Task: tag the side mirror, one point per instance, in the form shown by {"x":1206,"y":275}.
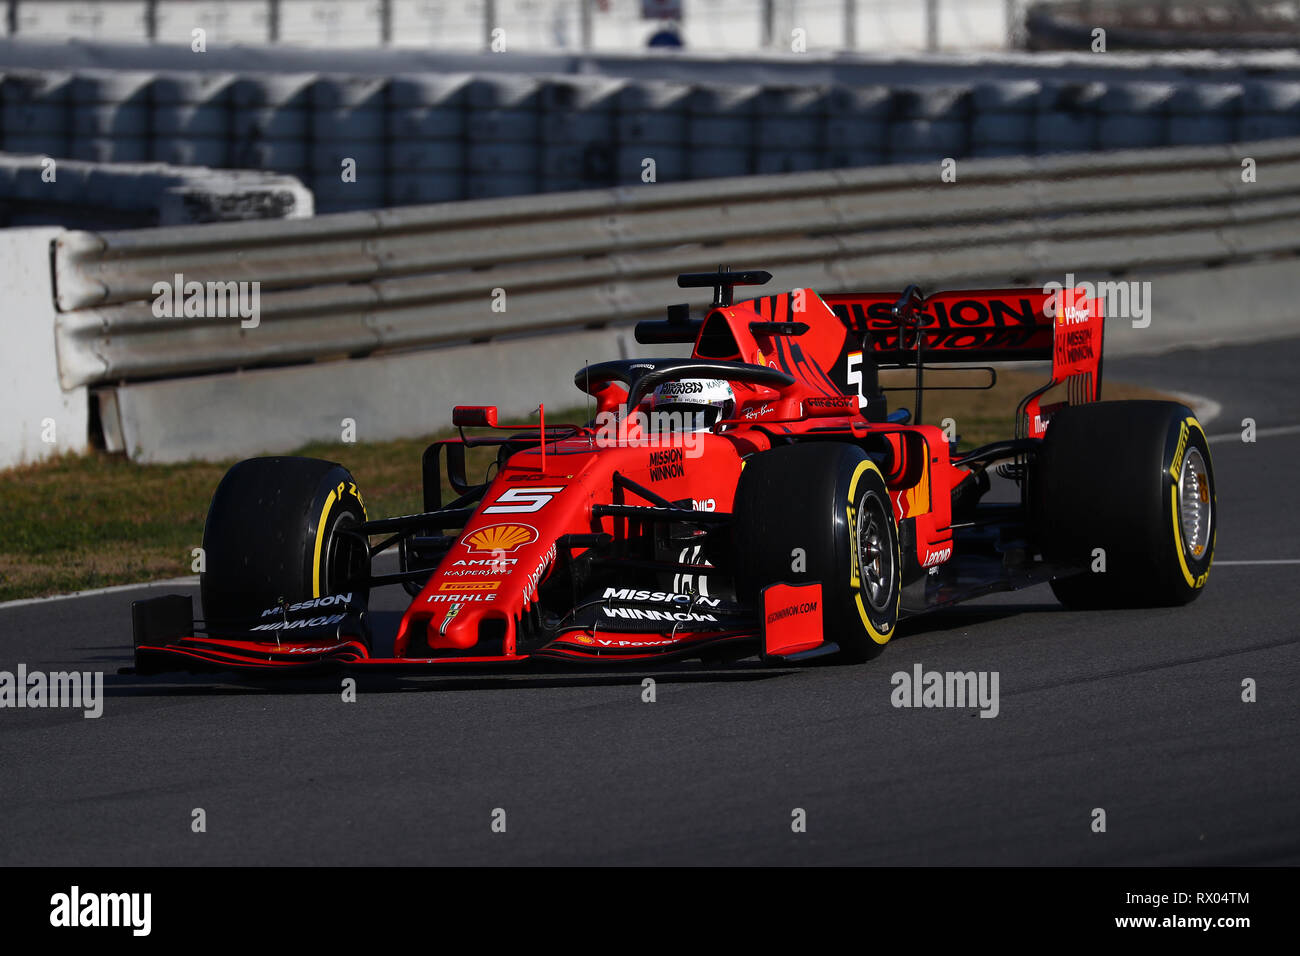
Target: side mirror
{"x":474,"y":416}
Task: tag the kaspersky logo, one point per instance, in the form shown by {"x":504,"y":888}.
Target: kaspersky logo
{"x":500,"y":537}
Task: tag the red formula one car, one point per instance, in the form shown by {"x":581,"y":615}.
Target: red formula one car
{"x":757,"y":498}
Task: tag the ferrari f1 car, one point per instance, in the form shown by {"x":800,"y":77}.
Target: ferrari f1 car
{"x":756,"y":498}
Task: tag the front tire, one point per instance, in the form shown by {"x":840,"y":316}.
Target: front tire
{"x":1133,"y":479}
{"x":821,"y":512}
{"x":276,"y":531}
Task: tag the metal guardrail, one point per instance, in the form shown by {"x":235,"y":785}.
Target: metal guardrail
{"x":358,"y":284}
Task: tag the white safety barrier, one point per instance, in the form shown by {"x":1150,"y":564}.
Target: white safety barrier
{"x":41,"y":419}
{"x":468,"y":302}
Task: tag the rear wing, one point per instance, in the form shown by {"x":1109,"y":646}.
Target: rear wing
{"x":986,"y":325}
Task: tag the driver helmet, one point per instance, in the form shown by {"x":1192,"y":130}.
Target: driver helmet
{"x":702,"y":402}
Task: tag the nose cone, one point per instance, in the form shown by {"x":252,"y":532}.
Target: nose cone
{"x":471,"y":603}
{"x":458,"y":627}
{"x":491,"y":574}
{"x":468,"y":626}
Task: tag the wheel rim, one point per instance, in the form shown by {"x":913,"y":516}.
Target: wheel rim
{"x":1195,"y":504}
{"x":875,"y":557}
{"x":346,"y":556}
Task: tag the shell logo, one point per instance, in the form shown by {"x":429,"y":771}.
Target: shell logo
{"x":500,"y":537}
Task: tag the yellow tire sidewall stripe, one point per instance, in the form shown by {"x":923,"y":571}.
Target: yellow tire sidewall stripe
{"x":320,"y":538}
{"x":1192,"y":580}
{"x":880,"y":637}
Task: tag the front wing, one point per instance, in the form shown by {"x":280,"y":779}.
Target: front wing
{"x":167,"y":638}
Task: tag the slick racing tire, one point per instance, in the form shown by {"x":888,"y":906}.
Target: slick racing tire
{"x":274,"y":532}
{"x":1133,"y":479}
{"x":819,"y":512}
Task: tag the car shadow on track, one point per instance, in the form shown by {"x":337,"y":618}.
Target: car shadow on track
{"x":962,"y":616}
{"x":197,"y":685}
{"x":124,"y":682}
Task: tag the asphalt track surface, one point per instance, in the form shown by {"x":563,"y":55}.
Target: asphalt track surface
{"x":1136,"y":713}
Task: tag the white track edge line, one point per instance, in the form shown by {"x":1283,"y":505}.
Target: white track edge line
{"x":190,"y":581}
{"x":1272,"y":432}
{"x":1206,"y":409}
{"x":95,"y":592}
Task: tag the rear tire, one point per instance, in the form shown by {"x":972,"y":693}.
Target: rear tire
{"x":1134,"y":479}
{"x":273,"y":532}
{"x":829,"y":501}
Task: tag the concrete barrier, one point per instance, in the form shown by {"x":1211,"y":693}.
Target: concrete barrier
{"x":41,"y":419}
{"x":241,"y":414}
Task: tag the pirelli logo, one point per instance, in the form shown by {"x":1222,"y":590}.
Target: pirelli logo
{"x":463,"y":586}
{"x":1177,"y":465}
